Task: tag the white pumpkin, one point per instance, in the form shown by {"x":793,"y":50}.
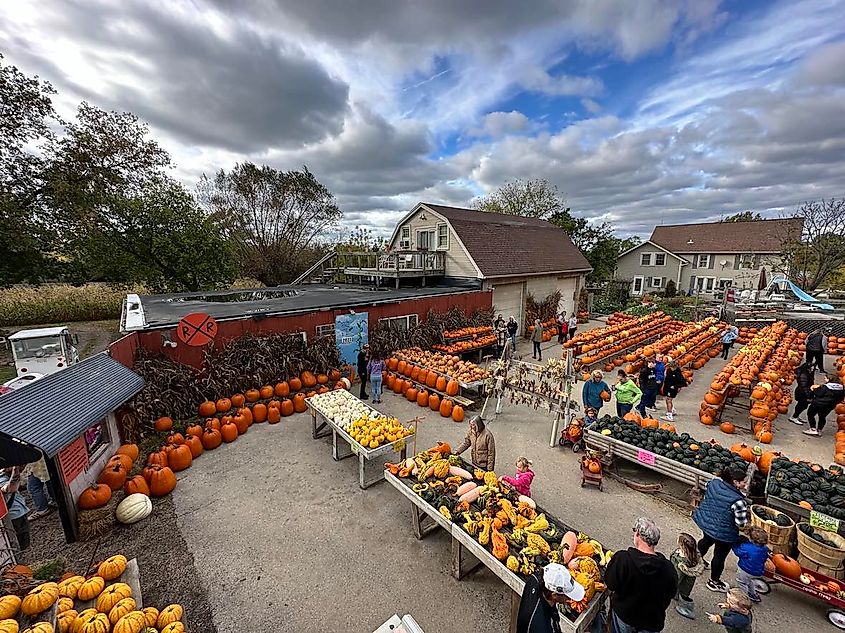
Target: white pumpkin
{"x":134,"y":508}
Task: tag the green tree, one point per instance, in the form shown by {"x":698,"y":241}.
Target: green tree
{"x":361,"y":239}
{"x":26,"y":114}
{"x":121,"y":216}
{"x":743,"y":216}
{"x":537,"y":198}
{"x":814,"y":257}
{"x":278,"y":220}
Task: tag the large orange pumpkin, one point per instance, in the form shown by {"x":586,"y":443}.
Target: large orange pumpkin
{"x":211,"y":439}
{"x":446,"y":408}
{"x":299,"y":405}
{"x":274,"y":415}
{"x":308,"y":379}
{"x":259,"y":412}
{"x":238,"y":400}
{"x":431,"y":380}
{"x":786,"y":566}
{"x":282,"y":389}
{"x":441,"y":384}
{"x":458,"y":413}
{"x":452,"y":387}
{"x":434,"y":402}
{"x":160,"y":479}
{"x":163,"y":424}
{"x":295,"y":384}
{"x":287,"y":407}
{"x":411,"y":394}
{"x":223,"y":405}
{"x":266,"y":392}
{"x":194,"y":444}
{"x":229,"y":431}
{"x":422,"y":398}
{"x":207,"y":409}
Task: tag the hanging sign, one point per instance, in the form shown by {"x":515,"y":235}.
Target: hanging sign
{"x":197,"y":329}
{"x":823,"y":521}
{"x":73,"y":460}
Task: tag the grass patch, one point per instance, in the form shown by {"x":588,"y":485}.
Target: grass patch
{"x":60,"y":303}
{"x":7,"y":373}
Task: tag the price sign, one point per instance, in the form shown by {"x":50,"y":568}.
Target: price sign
{"x":355,"y":447}
{"x":399,"y":445}
{"x":823,"y":521}
{"x":645,"y":457}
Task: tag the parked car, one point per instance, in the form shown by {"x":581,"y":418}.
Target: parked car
{"x":19,"y":381}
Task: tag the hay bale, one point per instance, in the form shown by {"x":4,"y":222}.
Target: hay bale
{"x":96,"y":523}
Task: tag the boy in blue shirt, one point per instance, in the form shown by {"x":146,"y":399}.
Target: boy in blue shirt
{"x":752,"y":555}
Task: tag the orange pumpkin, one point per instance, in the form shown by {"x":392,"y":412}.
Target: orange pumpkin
{"x":727,"y":427}
{"x":441,"y":384}
{"x":259,"y":412}
{"x":458,"y":413}
{"x":411,"y":394}
{"x":274,"y":415}
{"x":238,"y":400}
{"x":452,"y":387}
{"x":207,"y":409}
{"x":287,"y":407}
{"x":180,"y":458}
{"x":252,"y":395}
{"x":163,"y":424}
{"x":434,"y":402}
{"x":446,"y":408}
{"x":282,"y":389}
{"x":136,"y":484}
{"x":229,"y":432}
{"x":295,"y":384}
{"x":266,"y":392}
{"x":223,"y":405}
{"x":299,"y":405}
{"x":308,"y":379}
{"x":422,"y":398}
{"x":194,"y":445}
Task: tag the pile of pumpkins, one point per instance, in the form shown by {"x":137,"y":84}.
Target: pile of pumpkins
{"x":418,"y":391}
{"x":836,"y":345}
{"x":116,"y":478}
{"x":606,"y":343}
{"x":426,"y":363}
{"x":767,"y":362}
{"x":114,"y":608}
{"x":550,"y":329}
{"x":694,"y":343}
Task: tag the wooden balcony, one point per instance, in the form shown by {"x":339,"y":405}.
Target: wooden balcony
{"x":394,"y":265}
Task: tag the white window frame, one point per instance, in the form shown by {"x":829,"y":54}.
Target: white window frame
{"x":663,"y":255}
{"x":746,"y":261}
{"x":445,"y":245}
{"x":643,"y":261}
{"x":408,"y":321}
{"x":659,"y":283}
{"x":325,"y":330}
{"x":405,"y":238}
{"x":705,"y":284}
{"x":634,"y":290}
{"x":706,"y":264}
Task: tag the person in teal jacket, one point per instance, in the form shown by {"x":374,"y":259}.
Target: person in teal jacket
{"x":627,"y":394}
{"x":592,"y":390}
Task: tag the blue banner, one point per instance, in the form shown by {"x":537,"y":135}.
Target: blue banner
{"x":351,"y":334}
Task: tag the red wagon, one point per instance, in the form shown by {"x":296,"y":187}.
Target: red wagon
{"x":816,"y":584}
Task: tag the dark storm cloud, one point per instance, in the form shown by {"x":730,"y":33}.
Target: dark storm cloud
{"x":234,"y":90}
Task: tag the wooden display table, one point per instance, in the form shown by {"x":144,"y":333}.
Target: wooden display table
{"x":343,"y":446}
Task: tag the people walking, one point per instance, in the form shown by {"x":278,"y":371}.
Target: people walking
{"x":375,"y":367}
{"x":524,"y":476}
{"x":816,"y":344}
{"x":573,"y":325}
{"x":628,"y":395}
{"x":40,"y":489}
{"x":648,"y":385}
{"x":543,"y":592}
{"x":512,"y":327}
{"x":805,"y":378}
{"x":563,"y":327}
{"x":722,"y":513}
{"x":591,"y":392}
{"x":641,"y":583}
{"x":500,"y":320}
{"x":480,"y":440}
{"x":673,"y":382}
{"x":363,"y":358}
{"x":502,"y":340}
{"x":536,"y":339}
{"x":689,"y":565}
{"x":825,"y":399}
{"x":659,"y":371}
{"x":728,"y":338}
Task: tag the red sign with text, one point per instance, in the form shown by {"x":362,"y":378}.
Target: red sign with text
{"x":73,"y":460}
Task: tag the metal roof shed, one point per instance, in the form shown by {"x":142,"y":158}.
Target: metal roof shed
{"x":68,"y":418}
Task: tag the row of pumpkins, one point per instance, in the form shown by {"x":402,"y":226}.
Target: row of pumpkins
{"x":414,"y":392}
{"x":115,"y":609}
{"x":768,"y":361}
{"x":607,"y":342}
{"x":839,"y":447}
{"x":437,"y":364}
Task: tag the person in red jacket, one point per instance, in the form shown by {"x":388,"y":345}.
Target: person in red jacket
{"x":524,"y":476}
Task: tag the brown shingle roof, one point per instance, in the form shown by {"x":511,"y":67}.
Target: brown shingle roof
{"x":757,"y":236}
{"x":513,"y":245}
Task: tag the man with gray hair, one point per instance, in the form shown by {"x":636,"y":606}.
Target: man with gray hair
{"x":642,"y":583}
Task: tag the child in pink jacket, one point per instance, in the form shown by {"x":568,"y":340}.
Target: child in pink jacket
{"x":524,"y":476}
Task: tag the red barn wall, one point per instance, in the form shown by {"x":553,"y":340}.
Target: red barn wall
{"x":123,"y":350}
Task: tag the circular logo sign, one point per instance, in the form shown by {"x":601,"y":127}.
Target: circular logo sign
{"x":197,"y":329}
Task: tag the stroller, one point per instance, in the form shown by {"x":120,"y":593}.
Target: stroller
{"x":573,"y":434}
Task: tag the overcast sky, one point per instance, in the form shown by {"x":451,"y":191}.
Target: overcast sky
{"x":643,"y":112}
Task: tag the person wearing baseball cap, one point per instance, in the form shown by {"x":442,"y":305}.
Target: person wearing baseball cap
{"x":543,"y":591}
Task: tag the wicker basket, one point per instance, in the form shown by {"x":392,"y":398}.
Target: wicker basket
{"x":819,"y":553}
{"x":837,"y":574}
{"x":780,"y":538}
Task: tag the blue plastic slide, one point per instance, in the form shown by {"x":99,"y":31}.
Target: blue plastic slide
{"x":781,"y":281}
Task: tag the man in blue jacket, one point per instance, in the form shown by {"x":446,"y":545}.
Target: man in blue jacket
{"x":591,"y":393}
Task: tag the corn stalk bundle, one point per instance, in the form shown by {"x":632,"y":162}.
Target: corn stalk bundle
{"x":545,"y":310}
